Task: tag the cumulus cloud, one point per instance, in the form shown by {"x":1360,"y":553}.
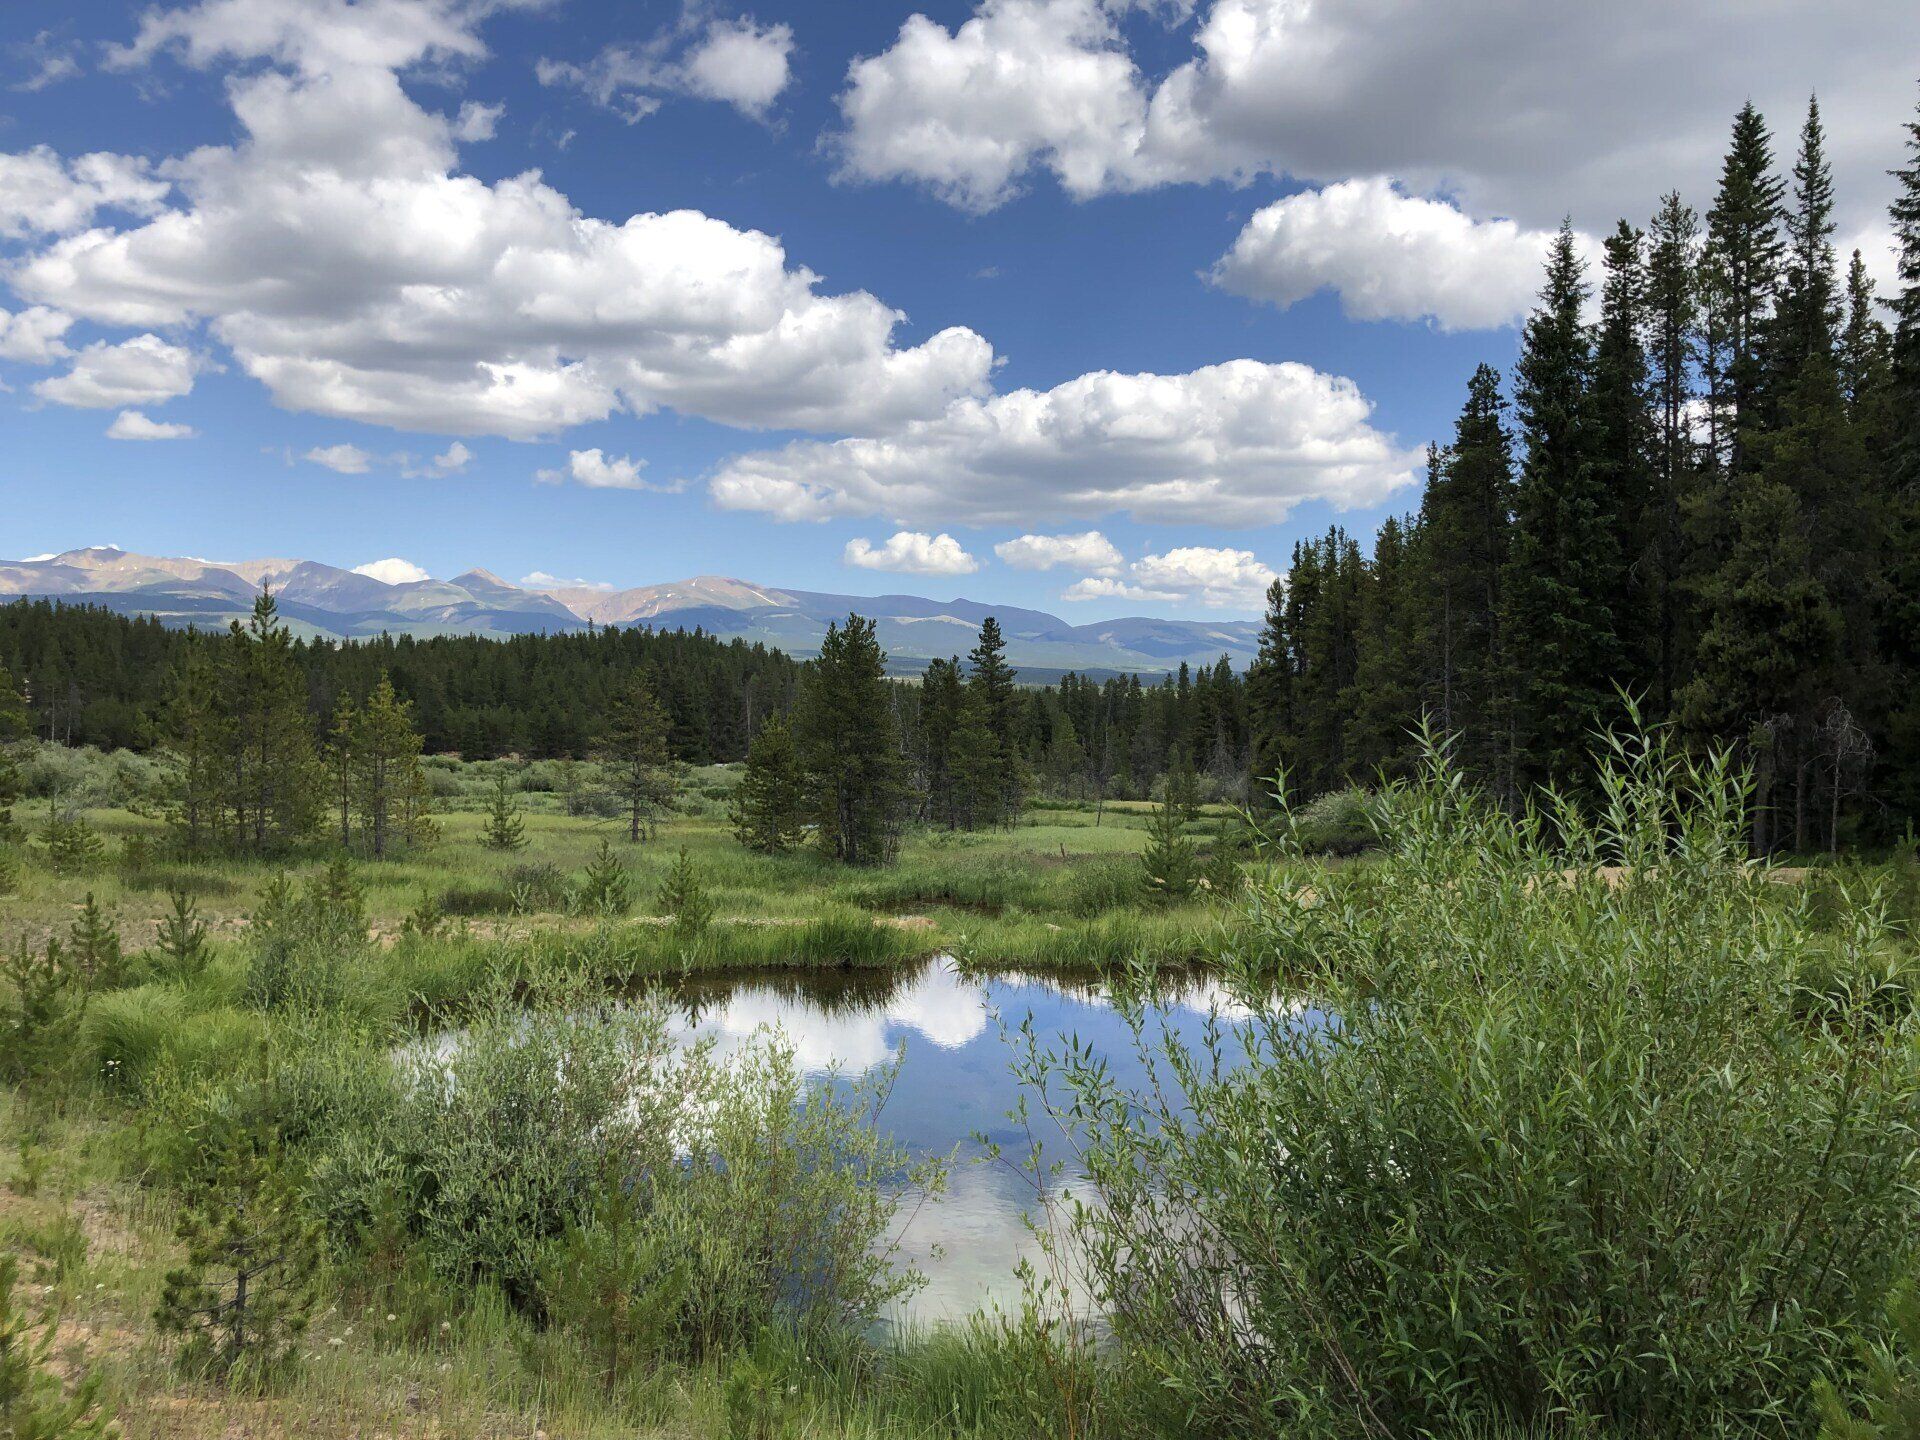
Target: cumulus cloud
{"x":476,"y":121}
{"x":142,"y":371}
{"x":41,"y":194}
{"x":1088,"y":551}
{"x":1475,"y":98}
{"x":392,"y":571}
{"x":132,"y":425}
{"x":1219,"y":578}
{"x":1389,"y":256}
{"x":913,"y":552}
{"x":346,"y":459}
{"x":33,"y":336}
{"x":1239,"y":443}
{"x":355,"y":271}
{"x":541,"y":580}
{"x":451,"y":461}
{"x":737,"y":61}
{"x":49,"y":60}
{"x":599,"y":471}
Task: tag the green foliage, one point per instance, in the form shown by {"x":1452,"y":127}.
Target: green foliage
{"x":1170,"y":866}
{"x":605,"y":887}
{"x":683,"y":898}
{"x":848,"y":746}
{"x":632,"y":752}
{"x":614,"y":1287}
{"x":93,"y":948}
{"x":242,"y":1298}
{"x":1558,"y":1145}
{"x":1888,"y":1403}
{"x":506,"y":829}
{"x":1342,"y":822}
{"x":45,"y":997}
{"x":72,"y":846}
{"x":181,"y":940}
{"x":34,"y":1405}
{"x":769,"y":805}
{"x":302,"y":946}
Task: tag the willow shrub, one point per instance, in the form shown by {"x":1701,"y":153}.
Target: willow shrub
{"x":579,"y":1158}
{"x":1573,"y":1153}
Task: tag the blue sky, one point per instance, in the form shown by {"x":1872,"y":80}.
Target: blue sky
{"x":309,"y":235}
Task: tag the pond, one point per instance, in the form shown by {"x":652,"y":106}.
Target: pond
{"x":955,"y":1083}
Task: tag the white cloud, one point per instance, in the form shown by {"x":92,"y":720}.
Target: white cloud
{"x":51,"y":61}
{"x":347,"y":459}
{"x":740,"y":63}
{"x":1388,"y":256}
{"x":913,"y":552}
{"x":356,"y":272}
{"x":737,"y":61}
{"x":451,"y":461}
{"x":1088,"y":551}
{"x":1106,"y":587}
{"x":599,"y":471}
{"x":541,"y":580}
{"x":476,"y":121}
{"x":42,"y":194}
{"x":132,"y":425}
{"x":392,"y":571}
{"x":142,"y":371}
{"x":1219,"y":578}
{"x":1478,"y":99}
{"x":32,"y":336}
{"x":1240,"y":443}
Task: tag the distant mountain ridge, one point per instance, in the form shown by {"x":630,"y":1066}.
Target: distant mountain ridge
{"x":324,"y":600}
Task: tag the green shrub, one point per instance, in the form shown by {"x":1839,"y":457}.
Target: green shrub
{"x":1341,"y":822}
{"x":34,"y":1404}
{"x":1567,"y":1155}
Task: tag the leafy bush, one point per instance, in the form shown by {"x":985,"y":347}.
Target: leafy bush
{"x":1558,"y":1150}
{"x":1341,"y":822}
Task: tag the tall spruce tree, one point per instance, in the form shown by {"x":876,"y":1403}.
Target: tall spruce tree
{"x":198,"y":751}
{"x":274,"y":781}
{"x":1626,"y":474}
{"x":1270,"y":694}
{"x":1391,"y":660}
{"x":992,"y":679}
{"x":1664,"y":565}
{"x":1564,"y":572}
{"x":849,"y":747}
{"x":940,"y":695}
{"x":387,"y":781}
{"x":1467,"y":518}
{"x":1899,"y":627}
{"x":769,"y":805}
{"x":633,"y":754}
{"x":1742,"y":273}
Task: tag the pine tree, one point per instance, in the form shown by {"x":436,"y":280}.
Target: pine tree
{"x":1626,"y":477}
{"x":274,"y":780}
{"x":93,"y":948}
{"x":1742,"y":274}
{"x":633,"y":754}
{"x":940,"y":692}
{"x":340,"y":762}
{"x":1865,"y":356}
{"x":505,"y":829}
{"x":974,"y":764}
{"x":199,"y":747}
{"x":1467,"y":517}
{"x":182,"y":939}
{"x":242,"y":1299}
{"x":993,"y":679}
{"x":1899,"y":621}
{"x":1673,"y":306}
{"x":1391,"y":661}
{"x":605,"y":887}
{"x":387,"y":778}
{"x":1270,"y":694}
{"x":1564,"y":576}
{"x":14,"y":723}
{"x":769,"y":805}
{"x":682,"y":897}
{"x":848,"y":746}
{"x":1169,"y":864}
{"x":1808,"y":312}
{"x":34,"y":1404}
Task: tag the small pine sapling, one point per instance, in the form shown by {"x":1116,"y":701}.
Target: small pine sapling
{"x":182,"y":939}
{"x":34,"y":1404}
{"x":605,"y":888}
{"x":683,"y":898}
{"x":506,"y":828}
{"x":93,"y":948}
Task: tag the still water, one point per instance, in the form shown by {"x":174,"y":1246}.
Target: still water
{"x":955,"y":1084}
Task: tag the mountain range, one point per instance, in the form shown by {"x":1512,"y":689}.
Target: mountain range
{"x":323,"y":600}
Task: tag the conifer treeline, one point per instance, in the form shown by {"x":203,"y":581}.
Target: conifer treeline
{"x":1702,"y":490}
{"x":94,"y":677}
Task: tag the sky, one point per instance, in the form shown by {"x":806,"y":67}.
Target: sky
{"x":1094,"y":306}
